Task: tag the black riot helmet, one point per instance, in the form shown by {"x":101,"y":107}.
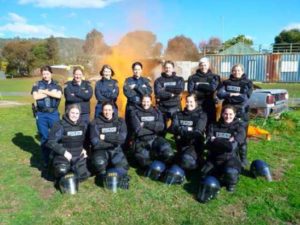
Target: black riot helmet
{"x":260,"y":168}
{"x":155,"y":170}
{"x":175,"y":175}
{"x":69,"y":184}
{"x":115,"y":178}
{"x":209,"y":188}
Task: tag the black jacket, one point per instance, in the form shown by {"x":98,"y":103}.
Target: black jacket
{"x":115,"y":132}
{"x":142,"y":87}
{"x":152,"y":120}
{"x":165,"y":86}
{"x":203,"y":85}
{"x":66,"y":135}
{"x":79,"y":95}
{"x":182,"y":121}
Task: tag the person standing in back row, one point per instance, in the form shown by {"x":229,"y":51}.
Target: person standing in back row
{"x":79,"y":91}
{"x":204,"y":84}
{"x":168,"y":88}
{"x":47,"y":94}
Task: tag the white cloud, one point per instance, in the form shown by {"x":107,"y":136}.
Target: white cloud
{"x":69,"y":4}
{"x":15,"y":18}
{"x":19,"y":26}
{"x":292,"y":26}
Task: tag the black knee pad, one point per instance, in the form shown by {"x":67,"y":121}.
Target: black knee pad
{"x":231,"y":176}
{"x":188,"y":161}
{"x":81,"y":170}
{"x":61,"y":170}
{"x":166,"y":152}
{"x":119,"y":160}
{"x":143,"y":157}
{"x":100,"y":164}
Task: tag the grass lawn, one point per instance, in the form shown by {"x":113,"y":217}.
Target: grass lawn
{"x":26,"y":198}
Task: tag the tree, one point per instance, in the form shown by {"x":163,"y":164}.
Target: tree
{"x":40,"y":55}
{"x":213,"y":46}
{"x":287,"y":41}
{"x":240,"y":38}
{"x":52,"y":50}
{"x":19,"y":56}
{"x":182,"y":48}
{"x":140,"y":44}
{"x":94,"y":44}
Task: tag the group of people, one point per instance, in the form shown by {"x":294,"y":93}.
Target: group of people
{"x":218,"y":148}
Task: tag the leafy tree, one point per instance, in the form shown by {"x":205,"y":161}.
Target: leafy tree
{"x":240,"y":38}
{"x":213,"y":46}
{"x":19,"y":56}
{"x":40,"y":54}
{"x":181,"y":48}
{"x":94,"y":44}
{"x":140,"y":44}
{"x":52,"y":50}
{"x":287,"y":41}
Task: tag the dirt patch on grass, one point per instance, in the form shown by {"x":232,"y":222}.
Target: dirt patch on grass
{"x":236,"y":211}
{"x":45,"y":188}
{"x":278,"y":173}
{"x":5,"y":104}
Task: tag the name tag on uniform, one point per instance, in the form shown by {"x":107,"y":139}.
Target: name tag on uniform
{"x":186,"y":122}
{"x":223,"y":135}
{"x":74,"y":133}
{"x":206,"y":83}
{"x":233,"y":88}
{"x":170,"y":84}
{"x":109,"y":130}
{"x":147,"y":118}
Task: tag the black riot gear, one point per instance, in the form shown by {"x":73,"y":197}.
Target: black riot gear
{"x":69,"y":184}
{"x":209,"y":189}
{"x":260,"y":168}
{"x":174,"y":175}
{"x":115,"y":178}
{"x":155,"y":170}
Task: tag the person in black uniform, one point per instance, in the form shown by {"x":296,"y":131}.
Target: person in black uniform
{"x":188,"y":127}
{"x":223,"y":139}
{"x":107,"y":134}
{"x":146,"y":122}
{"x":47,"y":94}
{"x":134,"y":88}
{"x":204,"y":84}
{"x":106,"y":90}
{"x":236,"y":91}
{"x":66,"y":140}
{"x":168,"y":88}
{"x":80,"y":92}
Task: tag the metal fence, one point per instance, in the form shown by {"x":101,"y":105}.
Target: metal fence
{"x":275,"y":67}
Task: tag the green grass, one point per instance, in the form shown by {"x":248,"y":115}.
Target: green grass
{"x":26,"y":198}
{"x":292,"y":88}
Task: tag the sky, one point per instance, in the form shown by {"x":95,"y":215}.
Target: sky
{"x":260,"y":20}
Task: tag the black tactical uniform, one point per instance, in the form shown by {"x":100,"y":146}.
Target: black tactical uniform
{"x":204,"y":86}
{"x":106,"y":90}
{"x":146,"y":123}
{"x":168,"y":91}
{"x":241,"y":103}
{"x":108,"y":152}
{"x":223,"y":160}
{"x":68,"y":136}
{"x":79,"y":94}
{"x":188,"y":128}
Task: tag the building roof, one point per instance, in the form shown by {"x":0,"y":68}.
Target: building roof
{"x":239,"y":49}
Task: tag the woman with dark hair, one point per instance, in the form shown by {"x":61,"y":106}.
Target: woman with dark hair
{"x":223,"y":139}
{"x":79,"y":91}
{"x":47,"y":94}
{"x":236,"y":91}
{"x":107,"y":134}
{"x":66,"y":140}
{"x":106,"y":90}
{"x":188,"y":127}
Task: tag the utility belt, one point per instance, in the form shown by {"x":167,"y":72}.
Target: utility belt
{"x":48,"y":110}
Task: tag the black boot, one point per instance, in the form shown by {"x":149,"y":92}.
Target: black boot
{"x":243,"y":155}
